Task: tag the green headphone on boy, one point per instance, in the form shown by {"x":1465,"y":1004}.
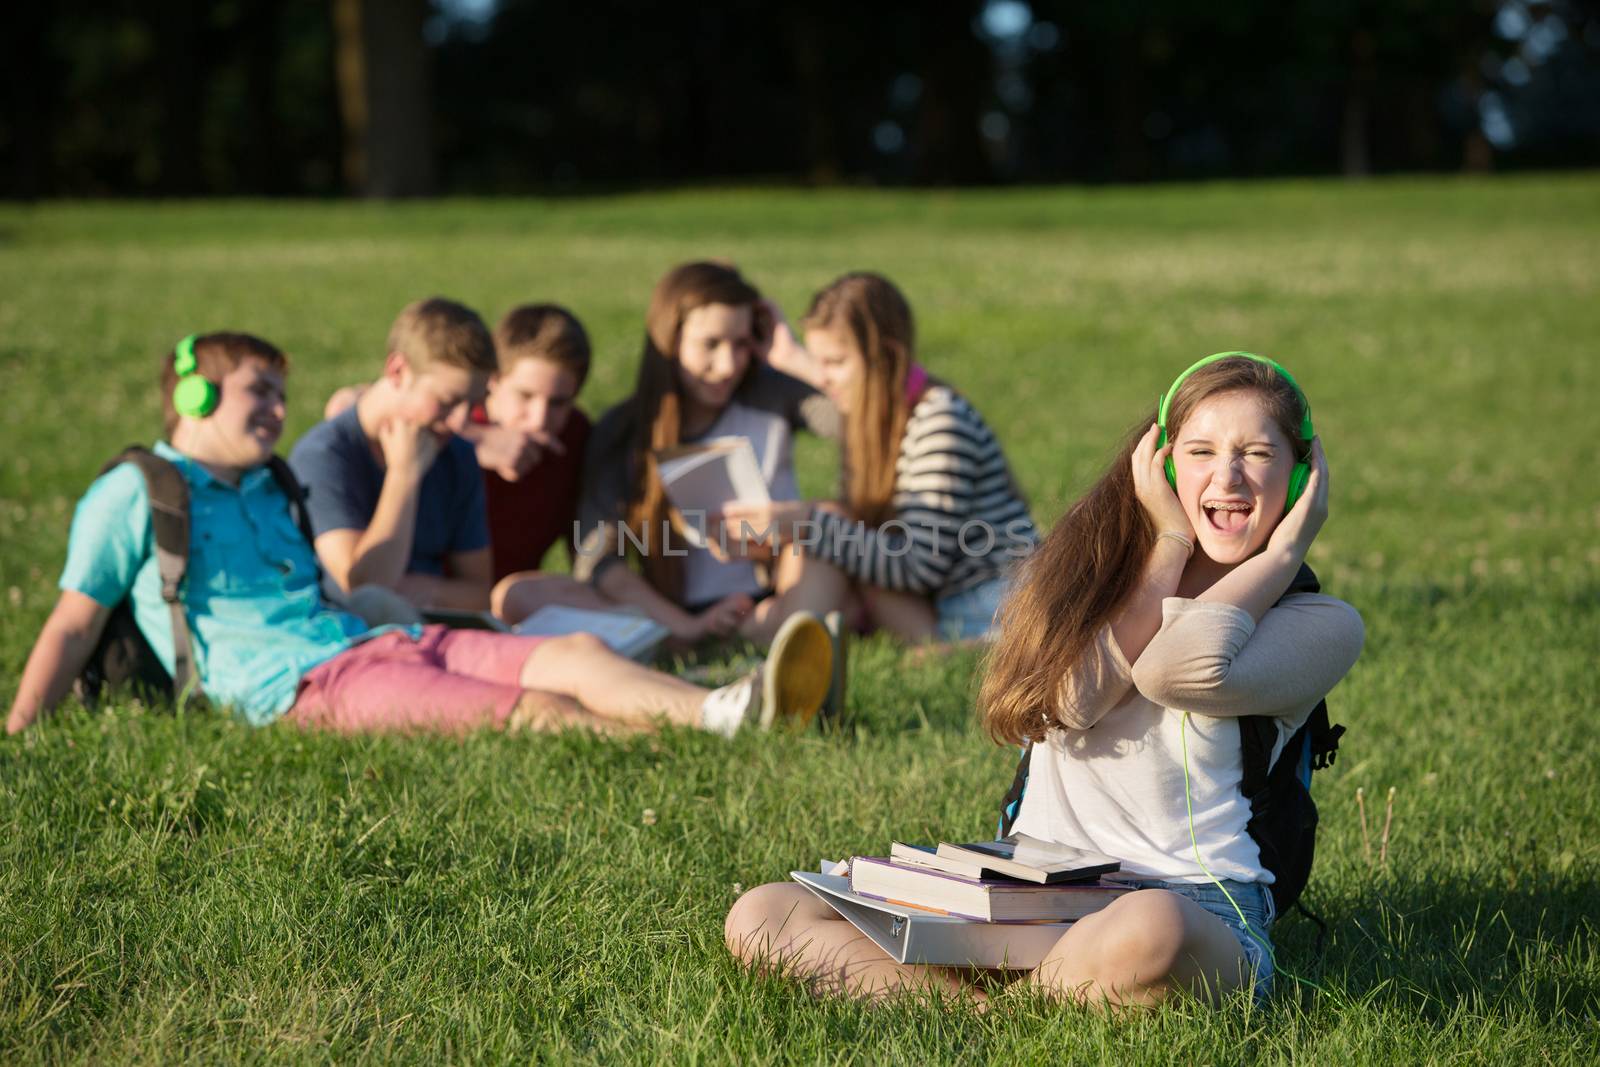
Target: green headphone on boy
{"x":195,"y":395}
{"x":1302,"y":470}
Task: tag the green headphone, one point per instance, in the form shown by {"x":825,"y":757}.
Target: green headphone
{"x":1302,"y":470}
{"x":195,"y":395}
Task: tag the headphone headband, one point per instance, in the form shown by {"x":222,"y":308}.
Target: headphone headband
{"x":1300,"y":475}
{"x":194,"y":395}
{"x":1306,"y":432}
{"x":183,"y":360}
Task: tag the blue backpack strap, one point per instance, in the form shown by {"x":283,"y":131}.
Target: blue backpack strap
{"x":1012,"y":804}
{"x":1283,"y":816}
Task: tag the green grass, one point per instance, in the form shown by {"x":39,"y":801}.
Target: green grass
{"x":187,"y":888}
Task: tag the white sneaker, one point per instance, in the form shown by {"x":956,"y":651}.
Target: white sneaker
{"x":789,"y":685}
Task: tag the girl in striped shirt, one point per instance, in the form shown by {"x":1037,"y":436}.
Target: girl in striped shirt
{"x":928,"y":519}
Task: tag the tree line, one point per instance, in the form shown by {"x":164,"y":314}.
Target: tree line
{"x":408,"y":97}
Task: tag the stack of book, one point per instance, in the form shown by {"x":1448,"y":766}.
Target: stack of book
{"x":1014,"y":880}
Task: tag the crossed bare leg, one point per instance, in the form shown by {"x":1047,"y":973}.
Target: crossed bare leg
{"x":1144,"y":948}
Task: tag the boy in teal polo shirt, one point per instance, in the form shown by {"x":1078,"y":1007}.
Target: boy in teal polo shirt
{"x":267,"y":645}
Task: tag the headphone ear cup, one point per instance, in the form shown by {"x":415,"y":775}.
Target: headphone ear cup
{"x":1297,"y":484}
{"x":195,"y":396}
{"x":1172,"y":474}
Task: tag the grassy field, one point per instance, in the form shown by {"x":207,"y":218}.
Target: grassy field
{"x":185,"y":888}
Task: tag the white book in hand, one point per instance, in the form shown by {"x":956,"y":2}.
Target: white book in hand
{"x":628,"y":634}
{"x":701,"y":479}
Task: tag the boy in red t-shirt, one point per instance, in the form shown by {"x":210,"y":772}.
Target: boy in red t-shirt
{"x":530,"y":437}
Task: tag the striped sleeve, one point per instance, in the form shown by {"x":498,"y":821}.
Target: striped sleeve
{"x":951,"y":474}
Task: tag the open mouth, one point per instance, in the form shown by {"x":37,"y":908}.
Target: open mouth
{"x":1227,"y":516}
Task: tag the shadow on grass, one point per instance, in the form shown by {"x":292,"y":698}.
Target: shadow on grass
{"x":1432,"y":947}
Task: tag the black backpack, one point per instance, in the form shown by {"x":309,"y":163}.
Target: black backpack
{"x":1283,"y":817}
{"x":122,"y":658}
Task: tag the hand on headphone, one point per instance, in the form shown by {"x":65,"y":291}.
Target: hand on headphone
{"x":1300,"y":526}
{"x":1150,"y":485}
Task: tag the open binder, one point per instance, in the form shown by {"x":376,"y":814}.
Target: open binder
{"x":911,"y":935}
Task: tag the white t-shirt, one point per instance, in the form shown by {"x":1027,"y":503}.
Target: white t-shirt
{"x":1111,"y":779}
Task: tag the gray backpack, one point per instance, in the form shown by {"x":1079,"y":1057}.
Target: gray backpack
{"x":123,"y":658}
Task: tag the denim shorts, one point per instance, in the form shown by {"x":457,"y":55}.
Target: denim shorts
{"x":969,"y":614}
{"x":1253,"y":898}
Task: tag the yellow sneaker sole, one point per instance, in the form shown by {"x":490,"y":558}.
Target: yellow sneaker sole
{"x":798,"y":673}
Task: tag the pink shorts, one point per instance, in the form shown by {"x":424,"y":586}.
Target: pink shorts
{"x":447,"y":680}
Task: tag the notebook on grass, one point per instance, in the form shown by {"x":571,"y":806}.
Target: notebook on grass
{"x":633,"y":635}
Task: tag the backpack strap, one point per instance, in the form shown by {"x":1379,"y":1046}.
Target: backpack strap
{"x":1258,"y":734}
{"x":1324,"y":737}
{"x":169,"y":523}
{"x":1304,"y":581}
{"x":1011,"y":806}
{"x":291,"y":488}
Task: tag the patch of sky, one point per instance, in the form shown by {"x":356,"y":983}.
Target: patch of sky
{"x":1512,"y":21}
{"x":468,"y":10}
{"x":1005,"y":20}
{"x":1547,"y":35}
{"x":1043,"y":36}
{"x":1014,"y":91}
{"x":905,"y":90}
{"x":469,"y":18}
{"x":1495,"y":121}
{"x":888,"y":137}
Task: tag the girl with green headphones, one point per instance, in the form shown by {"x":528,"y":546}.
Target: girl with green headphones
{"x":1148,"y":623}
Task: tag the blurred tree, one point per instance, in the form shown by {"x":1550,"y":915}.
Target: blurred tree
{"x":184,"y":53}
{"x":107,"y":97}
{"x":26,"y":119}
{"x":402,"y":97}
{"x":385,"y":97}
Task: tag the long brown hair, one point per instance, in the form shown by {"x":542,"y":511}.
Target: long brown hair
{"x":657,"y":401}
{"x":1083,"y":571}
{"x":876,"y":316}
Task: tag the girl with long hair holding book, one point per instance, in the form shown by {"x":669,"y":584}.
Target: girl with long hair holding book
{"x":929,"y":521}
{"x":1153,"y":617}
{"x":700,"y":377}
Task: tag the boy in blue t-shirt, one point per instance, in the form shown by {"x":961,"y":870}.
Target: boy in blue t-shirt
{"x":267,"y":645}
{"x":394,"y":496}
